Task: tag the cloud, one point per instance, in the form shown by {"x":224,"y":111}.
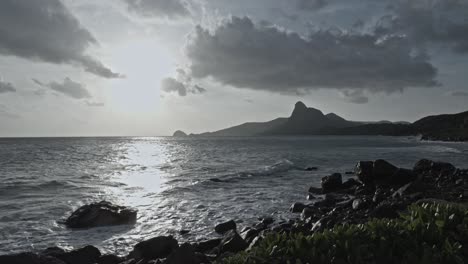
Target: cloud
{"x":459,"y":93}
{"x":422,"y":21}
{"x":170,"y":9}
{"x":6,"y":87}
{"x":170,"y":85}
{"x":5,"y":112}
{"x":311,"y":4}
{"x":46,"y":31}
{"x":355,"y":97}
{"x":94,"y":104}
{"x":244,"y":55}
{"x":68,"y":87}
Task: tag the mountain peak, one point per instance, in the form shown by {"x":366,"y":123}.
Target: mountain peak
{"x":300,"y":105}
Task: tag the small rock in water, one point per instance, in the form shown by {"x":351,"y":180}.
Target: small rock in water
{"x":184,"y":231}
{"x":101,"y":214}
{"x":226,"y":226}
{"x":315,"y":190}
{"x":310,"y":197}
{"x":311,"y":168}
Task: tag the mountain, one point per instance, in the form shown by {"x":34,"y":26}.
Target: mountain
{"x":179,"y":133}
{"x":310,"y":121}
{"x":303,"y":121}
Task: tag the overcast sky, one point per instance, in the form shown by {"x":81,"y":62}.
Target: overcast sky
{"x":149,"y":67}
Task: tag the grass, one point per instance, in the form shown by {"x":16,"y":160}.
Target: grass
{"x":428,"y":233}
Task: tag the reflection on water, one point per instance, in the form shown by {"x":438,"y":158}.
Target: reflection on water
{"x":174,"y":183}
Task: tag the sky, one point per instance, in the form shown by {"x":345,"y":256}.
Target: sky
{"x":150,"y":67}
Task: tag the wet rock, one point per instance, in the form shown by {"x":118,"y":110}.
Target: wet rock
{"x":310,"y":197}
{"x":267,"y":220}
{"x":332,"y":183}
{"x":297,"y":207}
{"x":363,"y":171}
{"x":307,"y":212}
{"x":185,"y":254}
{"x":109,"y":259}
{"x":380,"y":195}
{"x":226,"y":226}
{"x":249,"y":234}
{"x":85,"y":255}
{"x":358,"y":204}
{"x":311,"y":169}
{"x":154,"y":248}
{"x":207,"y":245}
{"x":232,"y":242}
{"x":184,"y":231}
{"x":365,"y":190}
{"x":255,"y":242}
{"x":29,"y":258}
{"x":409,"y":188}
{"x":315,"y":190}
{"x":349,"y":183}
{"x":389,"y":209}
{"x":101,"y":214}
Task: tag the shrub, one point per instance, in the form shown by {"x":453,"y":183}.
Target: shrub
{"x":428,"y":233}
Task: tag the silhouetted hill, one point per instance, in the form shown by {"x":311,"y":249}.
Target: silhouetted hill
{"x":310,"y":121}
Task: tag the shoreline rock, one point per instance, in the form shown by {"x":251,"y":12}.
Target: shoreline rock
{"x":101,"y":214}
{"x":381,"y":190}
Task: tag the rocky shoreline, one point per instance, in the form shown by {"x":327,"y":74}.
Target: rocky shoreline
{"x":379,"y":190}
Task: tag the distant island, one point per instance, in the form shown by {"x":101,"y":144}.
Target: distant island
{"x":310,"y":121}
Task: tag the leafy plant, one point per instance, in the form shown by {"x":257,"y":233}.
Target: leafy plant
{"x":428,"y":233}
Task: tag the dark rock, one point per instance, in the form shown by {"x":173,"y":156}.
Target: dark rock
{"x":184,"y":231}
{"x":232,"y":242}
{"x":154,"y":248}
{"x":429,"y":166}
{"x":365,"y":190}
{"x":349,"y":173}
{"x":249,"y":234}
{"x":407,"y":189}
{"x":85,"y":255}
{"x":109,"y":259}
{"x":307,"y":212}
{"x":207,"y":245}
{"x":29,"y":258}
{"x":185,"y":254}
{"x":311,"y":168}
{"x":380,"y":195}
{"x":297,"y":207}
{"x":332,"y":183}
{"x":389,"y":209}
{"x":402,"y":176}
{"x":315,"y":190}
{"x":363,"y":171}
{"x":226,"y":226}
{"x":382,"y":172}
{"x":267,"y":220}
{"x":350,"y":183}
{"x":255,"y":242}
{"x":310,"y":197}
{"x":358,"y":204}
{"x":101,"y":214}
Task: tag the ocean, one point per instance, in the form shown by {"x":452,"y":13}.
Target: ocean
{"x":175,"y":183}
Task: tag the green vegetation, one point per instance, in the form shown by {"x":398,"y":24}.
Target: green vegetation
{"x":429,"y":233}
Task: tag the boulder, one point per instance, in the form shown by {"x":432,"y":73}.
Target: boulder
{"x":402,"y":177}
{"x":249,"y":234}
{"x":232,"y":242}
{"x":358,"y":204}
{"x":363,"y":171}
{"x":185,"y":254}
{"x":315,"y":190}
{"x":29,"y":258}
{"x":226,"y":226}
{"x":109,"y":259}
{"x":332,"y":183}
{"x":382,"y":172}
{"x":207,"y":245}
{"x":154,"y":248}
{"x":429,"y":166}
{"x":85,"y":255}
{"x":407,"y":189}
{"x":349,"y":183}
{"x":101,"y":214}
{"x":297,"y":207}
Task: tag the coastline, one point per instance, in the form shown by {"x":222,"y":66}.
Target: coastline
{"x":379,"y":190}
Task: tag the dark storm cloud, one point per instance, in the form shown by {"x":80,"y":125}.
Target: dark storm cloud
{"x":171,"y":85}
{"x":46,"y":31}
{"x":159,"y":8}
{"x":311,"y":4}
{"x":245,"y":55}
{"x":437,"y":21}
{"x":355,"y":97}
{"x":6,"y":87}
{"x":68,"y":87}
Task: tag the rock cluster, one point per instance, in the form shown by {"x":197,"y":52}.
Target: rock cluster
{"x":381,"y":190}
